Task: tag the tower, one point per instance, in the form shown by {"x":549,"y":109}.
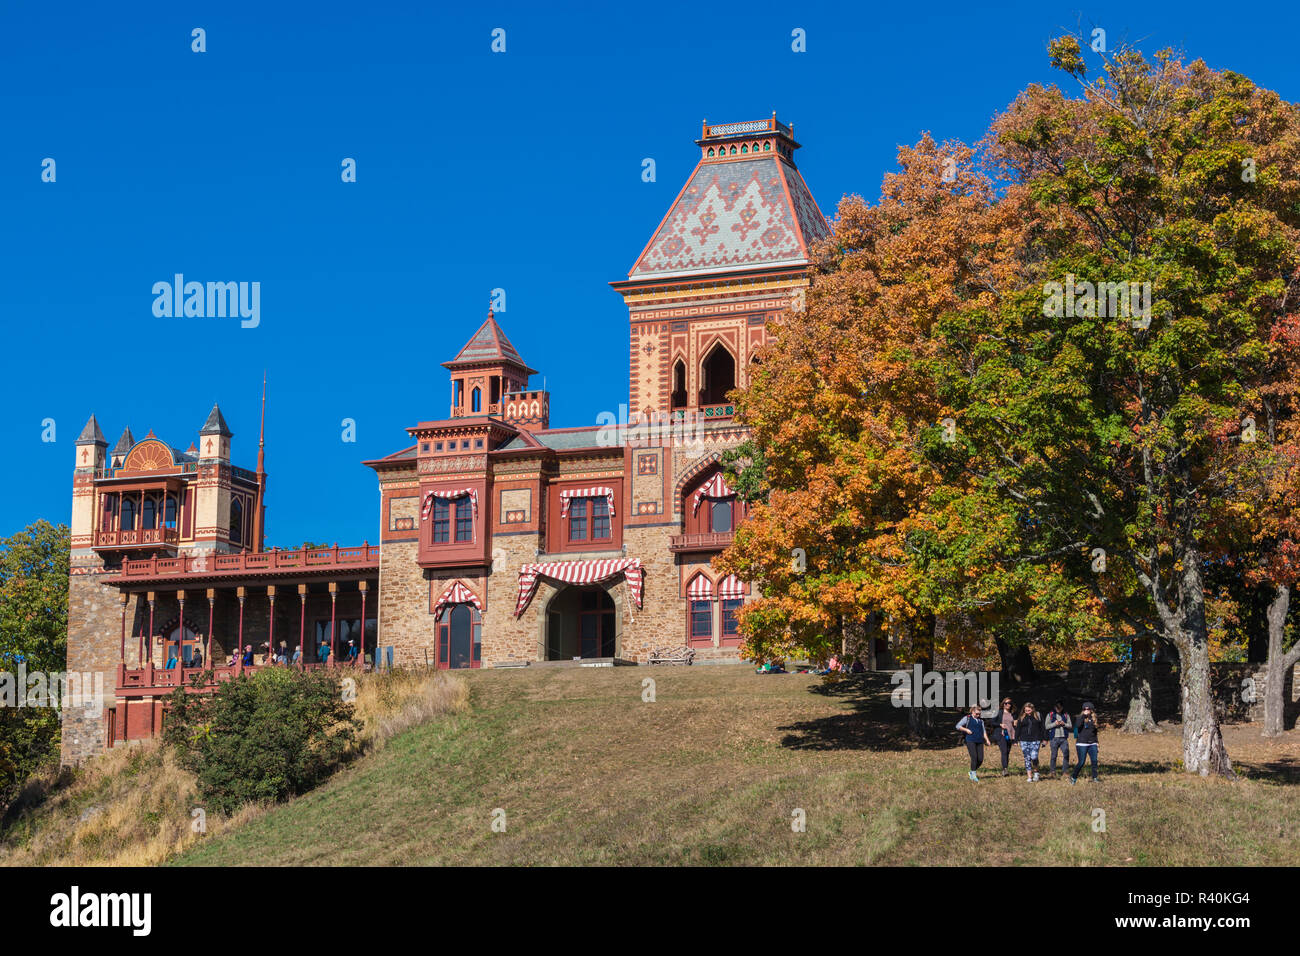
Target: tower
{"x":213,"y":501}
{"x":489,"y":377}
{"x":732,"y":252}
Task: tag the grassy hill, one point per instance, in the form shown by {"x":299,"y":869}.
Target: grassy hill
{"x":711,"y":772}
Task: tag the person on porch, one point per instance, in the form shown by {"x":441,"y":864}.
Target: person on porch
{"x":297,"y":654}
{"x":248,"y":655}
{"x":352,"y":650}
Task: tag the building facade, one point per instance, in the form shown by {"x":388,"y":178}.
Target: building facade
{"x":503,"y":541}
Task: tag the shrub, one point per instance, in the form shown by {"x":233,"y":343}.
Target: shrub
{"x":263,"y":737}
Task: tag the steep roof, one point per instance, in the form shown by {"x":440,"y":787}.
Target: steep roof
{"x":737,"y":212}
{"x":487,"y":346}
{"x":124,"y":443}
{"x":216,"y":423}
{"x":92,"y":433}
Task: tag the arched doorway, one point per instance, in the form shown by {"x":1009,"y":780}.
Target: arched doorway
{"x":718,"y":373}
{"x":581,"y":622}
{"x":460,"y":636}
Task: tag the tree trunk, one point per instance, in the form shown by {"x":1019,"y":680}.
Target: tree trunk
{"x":1017,"y":663}
{"x":1140,"y":719}
{"x":921,"y":719}
{"x":1280,"y":663}
{"x":1203,"y":750}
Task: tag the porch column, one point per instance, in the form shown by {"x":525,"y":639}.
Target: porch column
{"x":334,"y":598}
{"x":270,"y":637}
{"x":125,"y":598}
{"x":180,"y":633}
{"x":302,"y":626}
{"x":207,"y":653}
{"x":240,"y":652}
{"x":148,"y":644}
{"x":362,"y":586}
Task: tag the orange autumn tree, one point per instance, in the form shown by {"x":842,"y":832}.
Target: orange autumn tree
{"x":848,"y":518}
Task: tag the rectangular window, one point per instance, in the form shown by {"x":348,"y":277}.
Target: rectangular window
{"x":730,"y":626}
{"x":701,"y":620}
{"x":578,"y":519}
{"x":441,"y":520}
{"x":464,"y":519}
{"x":600,"y":519}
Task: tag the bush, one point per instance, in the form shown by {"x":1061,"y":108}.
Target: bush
{"x":263,"y":737}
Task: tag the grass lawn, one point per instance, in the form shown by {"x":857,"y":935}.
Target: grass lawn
{"x":711,"y":772}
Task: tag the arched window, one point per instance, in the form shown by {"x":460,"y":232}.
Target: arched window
{"x":476,"y":400}
{"x":710,"y":150}
{"x":721,"y":515}
{"x":767,"y":147}
{"x":236,"y":521}
{"x":745,"y":148}
{"x":718,"y":373}
{"x":149,"y":514}
{"x":128,"y":514}
{"x":678,"y":399}
{"x":733,"y":151}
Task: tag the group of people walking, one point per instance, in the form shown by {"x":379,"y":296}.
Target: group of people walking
{"x":1031,"y":731}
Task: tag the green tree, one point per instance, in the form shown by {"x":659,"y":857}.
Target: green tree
{"x":33,"y":632}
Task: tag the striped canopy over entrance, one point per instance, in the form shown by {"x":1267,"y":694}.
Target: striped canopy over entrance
{"x":455,"y":493}
{"x":457,"y":593}
{"x":571,"y":493}
{"x":715,"y":487}
{"x":579,"y":572}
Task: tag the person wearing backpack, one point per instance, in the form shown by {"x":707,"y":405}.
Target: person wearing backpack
{"x":1006,"y":732}
{"x":976,"y":736}
{"x":1085,"y":742}
{"x":1029,"y":731}
{"x":1058,"y":727}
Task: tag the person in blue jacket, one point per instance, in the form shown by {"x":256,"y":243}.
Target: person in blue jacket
{"x":977,"y":736}
{"x":1085,"y":741}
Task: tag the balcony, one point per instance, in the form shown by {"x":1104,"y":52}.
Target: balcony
{"x":137,"y":538}
{"x":364,"y":558}
{"x":707,"y":541}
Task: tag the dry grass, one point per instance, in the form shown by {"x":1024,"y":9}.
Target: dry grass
{"x":390,"y":703}
{"x":712,"y":771}
{"x":134,"y":806}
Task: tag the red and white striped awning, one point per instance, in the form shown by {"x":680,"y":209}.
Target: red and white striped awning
{"x":579,"y":572}
{"x":700,"y":588}
{"x":454,"y":493}
{"x":715,"y":487}
{"x":569,"y":494}
{"x":458,"y":593}
{"x":731,"y":587}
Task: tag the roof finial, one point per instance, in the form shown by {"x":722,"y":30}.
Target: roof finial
{"x":489,"y":305}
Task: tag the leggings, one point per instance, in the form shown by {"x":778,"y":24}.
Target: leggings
{"x":976,"y":754}
{"x":1029,"y":750}
{"x":1085,"y":752}
{"x":1004,"y":745}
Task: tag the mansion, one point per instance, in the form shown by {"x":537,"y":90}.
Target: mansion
{"x":502,"y":541}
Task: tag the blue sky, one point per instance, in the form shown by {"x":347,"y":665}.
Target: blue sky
{"x":475,"y":170}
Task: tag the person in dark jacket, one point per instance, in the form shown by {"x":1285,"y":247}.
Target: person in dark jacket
{"x":1085,"y":741}
{"x":1029,"y":731}
{"x":1057,"y":725}
{"x":972,"y":727}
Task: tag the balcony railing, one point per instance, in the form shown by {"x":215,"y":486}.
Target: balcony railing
{"x":249,"y":562}
{"x":137,"y":538}
{"x":705,"y":413}
{"x":708,"y":541}
{"x":151,"y":680}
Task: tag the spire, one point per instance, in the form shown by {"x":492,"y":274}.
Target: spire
{"x":216,"y":424}
{"x":91,"y":433}
{"x":259,"y":532}
{"x":124,"y":443}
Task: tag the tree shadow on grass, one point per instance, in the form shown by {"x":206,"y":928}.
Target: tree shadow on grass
{"x":1285,"y":770}
{"x":873,"y":724}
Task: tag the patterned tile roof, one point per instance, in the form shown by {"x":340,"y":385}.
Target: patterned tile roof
{"x":735,"y":215}
{"x":489,"y":344}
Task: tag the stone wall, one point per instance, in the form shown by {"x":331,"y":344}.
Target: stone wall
{"x":94,"y":647}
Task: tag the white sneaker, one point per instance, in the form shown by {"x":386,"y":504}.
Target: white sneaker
{"x":1035,"y":778}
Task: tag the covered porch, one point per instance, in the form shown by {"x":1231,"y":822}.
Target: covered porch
{"x":218,"y":617}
